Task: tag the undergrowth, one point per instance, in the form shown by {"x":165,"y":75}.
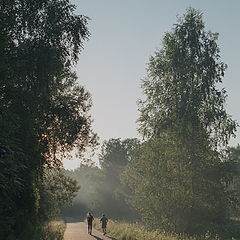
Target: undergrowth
{"x":51,"y":230}
{"x":134,"y":231}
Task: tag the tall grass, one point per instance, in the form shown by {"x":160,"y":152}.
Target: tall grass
{"x":53,"y":230}
{"x":125,"y":231}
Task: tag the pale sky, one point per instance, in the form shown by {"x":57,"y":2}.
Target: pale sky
{"x":124,"y":34}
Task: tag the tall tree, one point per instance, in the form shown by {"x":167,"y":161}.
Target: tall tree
{"x":91,"y":195}
{"x":56,"y":191}
{"x":44,"y":110}
{"x":101,"y":189}
{"x":185,"y":124}
{"x":116,"y":154}
{"x":181,"y":86}
{"x":232,"y":166}
{"x":114,"y":157}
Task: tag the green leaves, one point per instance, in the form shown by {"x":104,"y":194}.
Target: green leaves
{"x":176,"y":176}
{"x":181,"y":87}
{"x":44,"y":112}
{"x":57,"y":190}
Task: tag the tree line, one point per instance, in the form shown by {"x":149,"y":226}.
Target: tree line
{"x":101,"y":190}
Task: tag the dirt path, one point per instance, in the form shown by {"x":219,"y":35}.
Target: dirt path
{"x":78,"y":231}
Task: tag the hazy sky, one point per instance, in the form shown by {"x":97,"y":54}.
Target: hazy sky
{"x":124,"y":34}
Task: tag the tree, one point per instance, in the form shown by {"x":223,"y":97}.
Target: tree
{"x":169,"y":192}
{"x":11,"y":185}
{"x":101,"y":189}
{"x":181,"y":89}
{"x":232,"y":166}
{"x":45,"y":112}
{"x":185,"y":125}
{"x":56,"y":191}
{"x":91,"y":195}
{"x":116,"y":154}
{"x":114,"y":157}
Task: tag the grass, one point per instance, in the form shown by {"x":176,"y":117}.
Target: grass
{"x":125,"y":231}
{"x":53,"y":230}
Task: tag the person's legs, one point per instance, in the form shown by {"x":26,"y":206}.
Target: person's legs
{"x":90,"y":229}
{"x":104,"y":229}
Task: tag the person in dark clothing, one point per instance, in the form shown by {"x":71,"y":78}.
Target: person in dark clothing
{"x":90,"y":219}
{"x":104,"y":221}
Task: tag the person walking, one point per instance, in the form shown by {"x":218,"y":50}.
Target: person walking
{"x":90,"y":219}
{"x":104,"y":221}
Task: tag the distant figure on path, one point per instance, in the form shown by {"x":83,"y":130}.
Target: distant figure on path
{"x":104,"y":221}
{"x":90,"y":219}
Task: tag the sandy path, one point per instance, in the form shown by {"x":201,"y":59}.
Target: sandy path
{"x":78,"y":231}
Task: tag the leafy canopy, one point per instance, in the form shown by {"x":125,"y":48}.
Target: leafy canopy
{"x":181,"y":85}
{"x":178,"y":171}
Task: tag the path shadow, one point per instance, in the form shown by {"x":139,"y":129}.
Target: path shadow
{"x":97,"y":238}
{"x":111,"y":237}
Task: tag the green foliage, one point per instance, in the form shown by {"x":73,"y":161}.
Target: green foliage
{"x":56,"y":191}
{"x":11,"y":185}
{"x":178,"y":171}
{"x":90,"y":195}
{"x":53,"y":230}
{"x":114,"y":157}
{"x":180,"y":88}
{"x":180,"y":196}
{"x":135,"y":231}
{"x":116,"y":153}
{"x":44,"y":112}
{"x":100,"y":188}
{"x":232,"y":165}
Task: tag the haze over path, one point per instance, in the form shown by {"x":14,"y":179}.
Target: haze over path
{"x":77,"y":230}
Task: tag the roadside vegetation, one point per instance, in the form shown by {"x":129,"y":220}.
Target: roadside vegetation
{"x":53,"y":230}
{"x":135,"y":231}
{"x":49,"y":230}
